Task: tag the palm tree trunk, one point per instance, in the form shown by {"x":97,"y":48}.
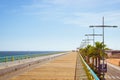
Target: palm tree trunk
{"x":93,"y":63}
{"x":88,"y":60}
{"x":99,"y":66}
{"x":96,"y":63}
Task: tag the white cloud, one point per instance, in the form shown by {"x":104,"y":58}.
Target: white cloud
{"x":83,"y":3}
{"x":55,"y":5}
{"x":75,"y":18}
{"x":86,"y":19}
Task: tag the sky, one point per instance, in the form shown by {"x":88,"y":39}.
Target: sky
{"x":52,"y":25}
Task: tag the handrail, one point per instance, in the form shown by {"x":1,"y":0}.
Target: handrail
{"x":20,"y":57}
{"x":91,"y":71}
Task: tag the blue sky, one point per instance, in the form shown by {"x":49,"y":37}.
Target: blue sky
{"x":55,"y":24}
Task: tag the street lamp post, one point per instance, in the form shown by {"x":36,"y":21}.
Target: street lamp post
{"x":95,"y":65}
{"x":88,"y":40}
{"x":103,"y":26}
{"x":85,"y":42}
{"x":93,"y":36}
{"x":82,"y":44}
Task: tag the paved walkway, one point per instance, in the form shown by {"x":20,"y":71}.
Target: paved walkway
{"x":62,"y":68}
{"x":80,"y":72}
{"x":5,"y":65}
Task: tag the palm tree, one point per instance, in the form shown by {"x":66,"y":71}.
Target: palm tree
{"x":85,"y":53}
{"x":92,"y":55}
{"x":99,"y":54}
{"x":94,"y":52}
{"x":88,"y":53}
{"x":82,"y":51}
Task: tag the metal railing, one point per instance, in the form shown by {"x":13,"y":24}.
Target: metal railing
{"x":92,"y":73}
{"x":27,"y":65}
{"x":21,"y":57}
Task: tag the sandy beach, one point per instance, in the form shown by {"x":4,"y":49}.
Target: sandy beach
{"x":61,"y":68}
{"x":114,"y":61}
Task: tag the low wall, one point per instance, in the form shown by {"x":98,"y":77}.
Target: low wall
{"x":7,"y":68}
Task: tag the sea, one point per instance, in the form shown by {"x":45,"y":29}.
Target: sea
{"x":16,"y":53}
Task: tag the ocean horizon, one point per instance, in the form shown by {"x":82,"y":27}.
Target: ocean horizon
{"x":15,"y":53}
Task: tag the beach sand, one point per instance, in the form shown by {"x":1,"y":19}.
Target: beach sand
{"x":61,"y":68}
{"x":114,"y":61}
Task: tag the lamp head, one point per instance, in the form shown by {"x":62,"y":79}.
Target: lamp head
{"x":115,"y":26}
{"x":91,"y":26}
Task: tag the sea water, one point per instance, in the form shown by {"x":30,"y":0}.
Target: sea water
{"x":6,"y":56}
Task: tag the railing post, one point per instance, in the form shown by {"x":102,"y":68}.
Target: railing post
{"x":12,"y":58}
{"x":6,"y":59}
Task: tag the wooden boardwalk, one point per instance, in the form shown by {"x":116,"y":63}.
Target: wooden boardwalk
{"x":61,"y":68}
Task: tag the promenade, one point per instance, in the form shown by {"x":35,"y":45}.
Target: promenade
{"x":61,"y":68}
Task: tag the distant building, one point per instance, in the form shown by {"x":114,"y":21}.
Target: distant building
{"x":113,"y":53}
